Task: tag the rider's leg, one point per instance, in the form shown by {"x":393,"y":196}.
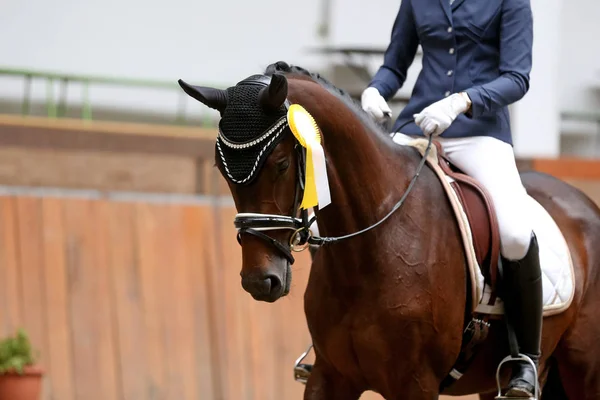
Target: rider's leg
{"x":492,"y":163}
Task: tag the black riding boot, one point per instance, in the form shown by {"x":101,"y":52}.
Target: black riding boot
{"x":522,"y":289}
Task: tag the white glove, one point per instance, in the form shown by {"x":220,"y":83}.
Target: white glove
{"x":436,"y":118}
{"x":374,"y":104}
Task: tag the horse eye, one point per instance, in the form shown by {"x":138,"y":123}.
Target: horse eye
{"x":283,"y":165}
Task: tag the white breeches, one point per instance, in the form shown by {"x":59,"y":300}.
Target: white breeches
{"x":492,"y":162}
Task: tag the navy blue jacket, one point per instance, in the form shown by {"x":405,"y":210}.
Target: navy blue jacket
{"x":482,"y":47}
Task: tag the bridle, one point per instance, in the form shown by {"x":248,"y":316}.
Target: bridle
{"x":301,"y":237}
{"x":255,"y":223}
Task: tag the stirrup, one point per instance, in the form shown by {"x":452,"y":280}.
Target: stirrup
{"x":302,"y":371}
{"x":520,"y":357}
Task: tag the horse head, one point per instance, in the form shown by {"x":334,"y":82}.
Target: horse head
{"x":264,"y":166}
{"x":259,"y":159}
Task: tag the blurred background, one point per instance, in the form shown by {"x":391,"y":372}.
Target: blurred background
{"x":117,"y":249}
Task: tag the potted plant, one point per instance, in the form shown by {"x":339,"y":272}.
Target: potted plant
{"x":20,"y":377}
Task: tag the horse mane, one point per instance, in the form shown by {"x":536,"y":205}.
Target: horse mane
{"x":342,"y":95}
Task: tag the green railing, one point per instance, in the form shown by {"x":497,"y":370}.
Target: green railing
{"x":58,"y":108}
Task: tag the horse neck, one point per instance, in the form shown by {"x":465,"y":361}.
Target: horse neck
{"x":367,"y":172}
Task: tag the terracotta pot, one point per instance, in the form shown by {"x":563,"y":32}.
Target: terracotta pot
{"x":28,"y":386}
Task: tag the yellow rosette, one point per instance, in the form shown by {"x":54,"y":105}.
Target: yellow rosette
{"x":305,"y":129}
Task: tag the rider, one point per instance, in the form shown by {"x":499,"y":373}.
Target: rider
{"x":477,"y":58}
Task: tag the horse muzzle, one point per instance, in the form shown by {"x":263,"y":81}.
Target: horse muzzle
{"x":267,"y":286}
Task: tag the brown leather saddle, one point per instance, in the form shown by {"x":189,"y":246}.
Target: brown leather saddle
{"x":479,"y":208}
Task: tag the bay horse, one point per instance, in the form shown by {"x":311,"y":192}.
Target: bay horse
{"x":386,"y":308}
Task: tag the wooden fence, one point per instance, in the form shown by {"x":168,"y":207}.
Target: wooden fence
{"x":142,"y":300}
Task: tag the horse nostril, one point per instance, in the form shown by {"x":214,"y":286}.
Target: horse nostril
{"x":275,"y":284}
{"x":262,"y":285}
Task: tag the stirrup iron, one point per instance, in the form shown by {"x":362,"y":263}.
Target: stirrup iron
{"x":302,"y":371}
{"x":519,"y":357}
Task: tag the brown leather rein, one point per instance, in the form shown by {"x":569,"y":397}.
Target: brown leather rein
{"x":256,"y":223}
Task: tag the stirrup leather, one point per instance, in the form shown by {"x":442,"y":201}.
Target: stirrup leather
{"x":520,"y":357}
{"x":302,"y":371}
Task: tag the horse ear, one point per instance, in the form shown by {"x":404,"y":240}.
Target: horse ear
{"x":211,"y":97}
{"x":273,"y":96}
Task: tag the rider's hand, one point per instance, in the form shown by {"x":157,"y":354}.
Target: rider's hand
{"x":374,"y":104}
{"x":436,"y":118}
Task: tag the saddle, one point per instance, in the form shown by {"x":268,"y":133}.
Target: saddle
{"x":479,"y":209}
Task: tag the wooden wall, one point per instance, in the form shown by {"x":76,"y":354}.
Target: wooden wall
{"x":106,"y":156}
{"x":135,"y":299}
{"x":142,"y":300}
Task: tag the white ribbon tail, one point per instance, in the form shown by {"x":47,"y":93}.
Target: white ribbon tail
{"x":320,"y":169}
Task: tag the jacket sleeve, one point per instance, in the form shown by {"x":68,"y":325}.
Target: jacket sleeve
{"x":400,"y":53}
{"x":516,"y":41}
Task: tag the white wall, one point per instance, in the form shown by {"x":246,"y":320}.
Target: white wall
{"x":579,"y":69}
{"x":565,"y":77}
{"x":216,"y":42}
{"x":223,"y":41}
{"x":362,"y":23}
{"x":579,"y":55}
{"x":536,"y":118}
{"x":212,"y":41}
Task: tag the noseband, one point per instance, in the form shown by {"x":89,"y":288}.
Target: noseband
{"x":301,"y":237}
{"x":255,"y":223}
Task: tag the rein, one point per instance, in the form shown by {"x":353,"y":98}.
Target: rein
{"x":301,"y":238}
{"x":316,"y":240}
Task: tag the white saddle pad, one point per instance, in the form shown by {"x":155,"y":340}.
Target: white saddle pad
{"x":555,"y":257}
